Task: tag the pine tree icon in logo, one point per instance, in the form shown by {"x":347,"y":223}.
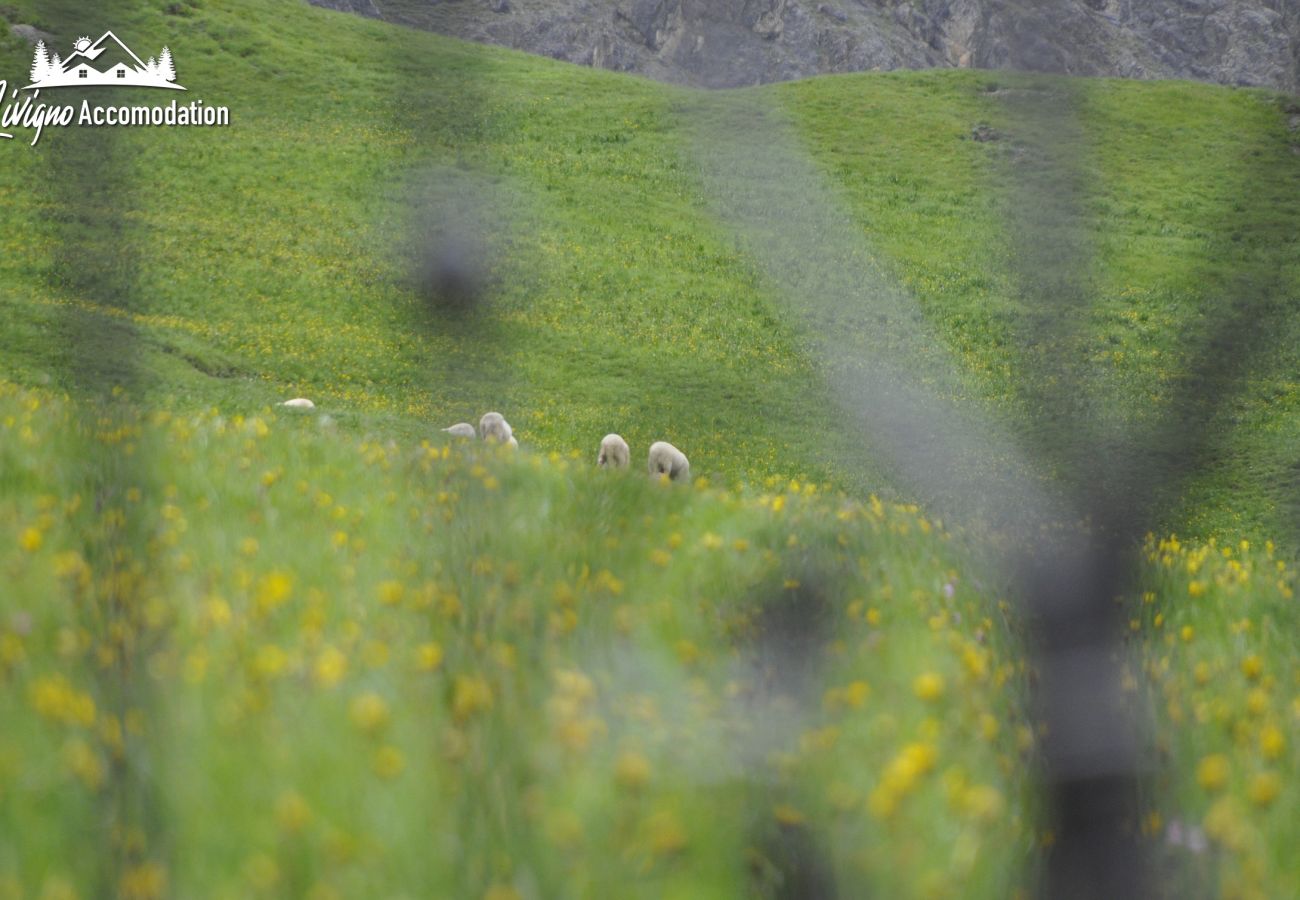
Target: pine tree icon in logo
{"x":101,"y":62}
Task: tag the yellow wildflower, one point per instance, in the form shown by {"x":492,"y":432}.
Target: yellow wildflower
{"x":54,"y":887}
{"x":1252,"y":667}
{"x":147,"y":881}
{"x":564,"y":828}
{"x":55,"y":698}
{"x":216,"y":612}
{"x":270,"y":661}
{"x":818,"y":739}
{"x":428,"y":656}
{"x":391,"y":592}
{"x":1212,"y":772}
{"x":1256,"y":702}
{"x":787,"y":815}
{"x":632,"y":771}
{"x":31,"y":540}
{"x":470,"y":695}
{"x":1225,"y":824}
{"x":928,"y":686}
{"x":1152,"y":823}
{"x":882,"y":802}
{"x":369,"y":712}
{"x":666,"y":834}
{"x":84,"y":762}
{"x":574,"y":684}
{"x":988,"y":726}
{"x":854,"y":694}
{"x":292,"y":812}
{"x":1264,"y":788}
{"x":983,"y":802}
{"x":331,"y":666}
{"x":577,"y":733}
{"x":1271,"y":742}
{"x":389,"y":762}
{"x":975,"y":660}
{"x":272,"y":591}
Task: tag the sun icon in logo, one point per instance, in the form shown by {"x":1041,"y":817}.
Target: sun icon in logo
{"x":82,"y":44}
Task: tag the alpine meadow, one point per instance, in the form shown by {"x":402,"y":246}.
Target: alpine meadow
{"x":255,"y":651}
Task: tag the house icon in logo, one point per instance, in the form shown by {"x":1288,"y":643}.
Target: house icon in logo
{"x":106,"y":61}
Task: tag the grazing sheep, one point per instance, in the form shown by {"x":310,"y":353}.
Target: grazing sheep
{"x":494,"y":427}
{"x":299,"y":403}
{"x":512,"y":443}
{"x":462,"y":430}
{"x":613,"y":452}
{"x":665,"y":459}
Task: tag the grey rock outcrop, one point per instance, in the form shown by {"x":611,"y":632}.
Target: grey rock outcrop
{"x":727,"y":43}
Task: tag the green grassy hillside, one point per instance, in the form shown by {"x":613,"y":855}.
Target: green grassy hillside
{"x":272,"y":258}
{"x":251,"y":653}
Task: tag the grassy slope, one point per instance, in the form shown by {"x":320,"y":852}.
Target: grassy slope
{"x":253,"y":657}
{"x":266,"y":259}
{"x":563,"y":680}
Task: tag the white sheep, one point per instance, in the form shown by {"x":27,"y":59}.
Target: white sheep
{"x":494,"y":427}
{"x":613,"y":452}
{"x":299,"y":403}
{"x":665,"y":459}
{"x":462,"y":430}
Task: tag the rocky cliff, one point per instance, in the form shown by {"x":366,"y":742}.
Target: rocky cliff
{"x":725,"y":43}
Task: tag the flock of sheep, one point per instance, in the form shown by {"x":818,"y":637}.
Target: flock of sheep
{"x":664,"y":459}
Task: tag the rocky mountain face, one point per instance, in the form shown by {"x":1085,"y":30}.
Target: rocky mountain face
{"x":727,"y":43}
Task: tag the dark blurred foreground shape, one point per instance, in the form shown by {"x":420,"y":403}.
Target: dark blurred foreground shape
{"x":91,"y":178}
{"x":1073,"y":542}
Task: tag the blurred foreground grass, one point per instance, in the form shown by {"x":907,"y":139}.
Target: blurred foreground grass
{"x":254,"y":656}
